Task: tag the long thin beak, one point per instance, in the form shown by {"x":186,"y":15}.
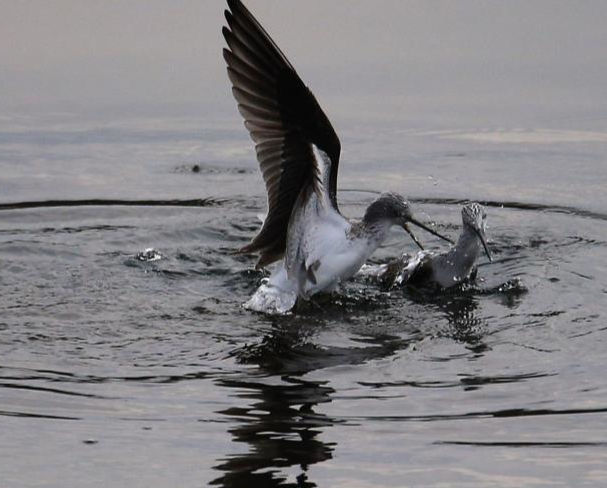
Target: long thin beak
{"x":481,"y":236}
{"x":431,"y":231}
{"x":415,"y":239}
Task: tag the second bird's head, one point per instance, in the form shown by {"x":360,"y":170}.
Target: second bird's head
{"x":475,"y":218}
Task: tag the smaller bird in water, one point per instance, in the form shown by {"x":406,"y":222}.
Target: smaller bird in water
{"x":445,"y":269}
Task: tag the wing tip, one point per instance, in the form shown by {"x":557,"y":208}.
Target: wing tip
{"x":228,"y":15}
{"x":226,"y":53}
{"x":237,"y":9}
{"x":234,"y":4}
{"x":227,"y":34}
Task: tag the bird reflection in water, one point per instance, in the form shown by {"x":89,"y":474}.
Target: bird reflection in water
{"x":278,"y":423}
{"x":461,"y":307}
{"x":281,"y":422}
{"x":465,"y":322}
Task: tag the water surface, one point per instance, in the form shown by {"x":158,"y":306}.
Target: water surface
{"x":121,"y":367}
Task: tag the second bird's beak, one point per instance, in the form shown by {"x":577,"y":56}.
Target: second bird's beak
{"x":481,"y":235}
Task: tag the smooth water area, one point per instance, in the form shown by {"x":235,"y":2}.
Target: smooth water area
{"x":125,"y":368}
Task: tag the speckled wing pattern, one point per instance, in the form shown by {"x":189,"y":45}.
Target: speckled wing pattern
{"x":285,"y":122}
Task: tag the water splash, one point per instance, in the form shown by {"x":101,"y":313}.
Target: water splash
{"x":149,"y":255}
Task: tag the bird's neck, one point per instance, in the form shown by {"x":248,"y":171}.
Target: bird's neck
{"x":368,"y":235}
{"x":466,"y":251}
{"x":375,"y":229}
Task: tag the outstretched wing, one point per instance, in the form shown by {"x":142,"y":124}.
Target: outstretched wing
{"x":285,"y":122}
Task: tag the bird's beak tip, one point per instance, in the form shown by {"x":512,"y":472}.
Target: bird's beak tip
{"x":481,"y":235}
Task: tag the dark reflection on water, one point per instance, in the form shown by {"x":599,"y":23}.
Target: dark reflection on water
{"x":558,"y":445}
{"x":468,"y":382}
{"x":497,"y":414}
{"x":279,"y":423}
{"x":281,"y":430}
{"x":25,"y":415}
{"x":103,"y":202}
{"x":462,"y":310}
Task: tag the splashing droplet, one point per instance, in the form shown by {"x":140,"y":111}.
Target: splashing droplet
{"x":149,"y":254}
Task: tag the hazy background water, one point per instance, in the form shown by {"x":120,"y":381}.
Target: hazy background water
{"x":118,"y":371}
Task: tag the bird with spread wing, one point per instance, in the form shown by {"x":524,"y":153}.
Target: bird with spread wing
{"x":298,"y":153}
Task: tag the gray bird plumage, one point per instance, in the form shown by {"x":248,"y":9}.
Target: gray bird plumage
{"x":446,"y":269}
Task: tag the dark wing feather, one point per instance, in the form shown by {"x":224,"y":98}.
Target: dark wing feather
{"x":283,"y":119}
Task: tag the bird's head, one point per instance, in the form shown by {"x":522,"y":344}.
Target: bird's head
{"x":395,"y":209}
{"x":474,"y":218}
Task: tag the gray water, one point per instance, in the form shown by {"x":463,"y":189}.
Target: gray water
{"x":130,"y":369}
{"x":122,"y":371}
